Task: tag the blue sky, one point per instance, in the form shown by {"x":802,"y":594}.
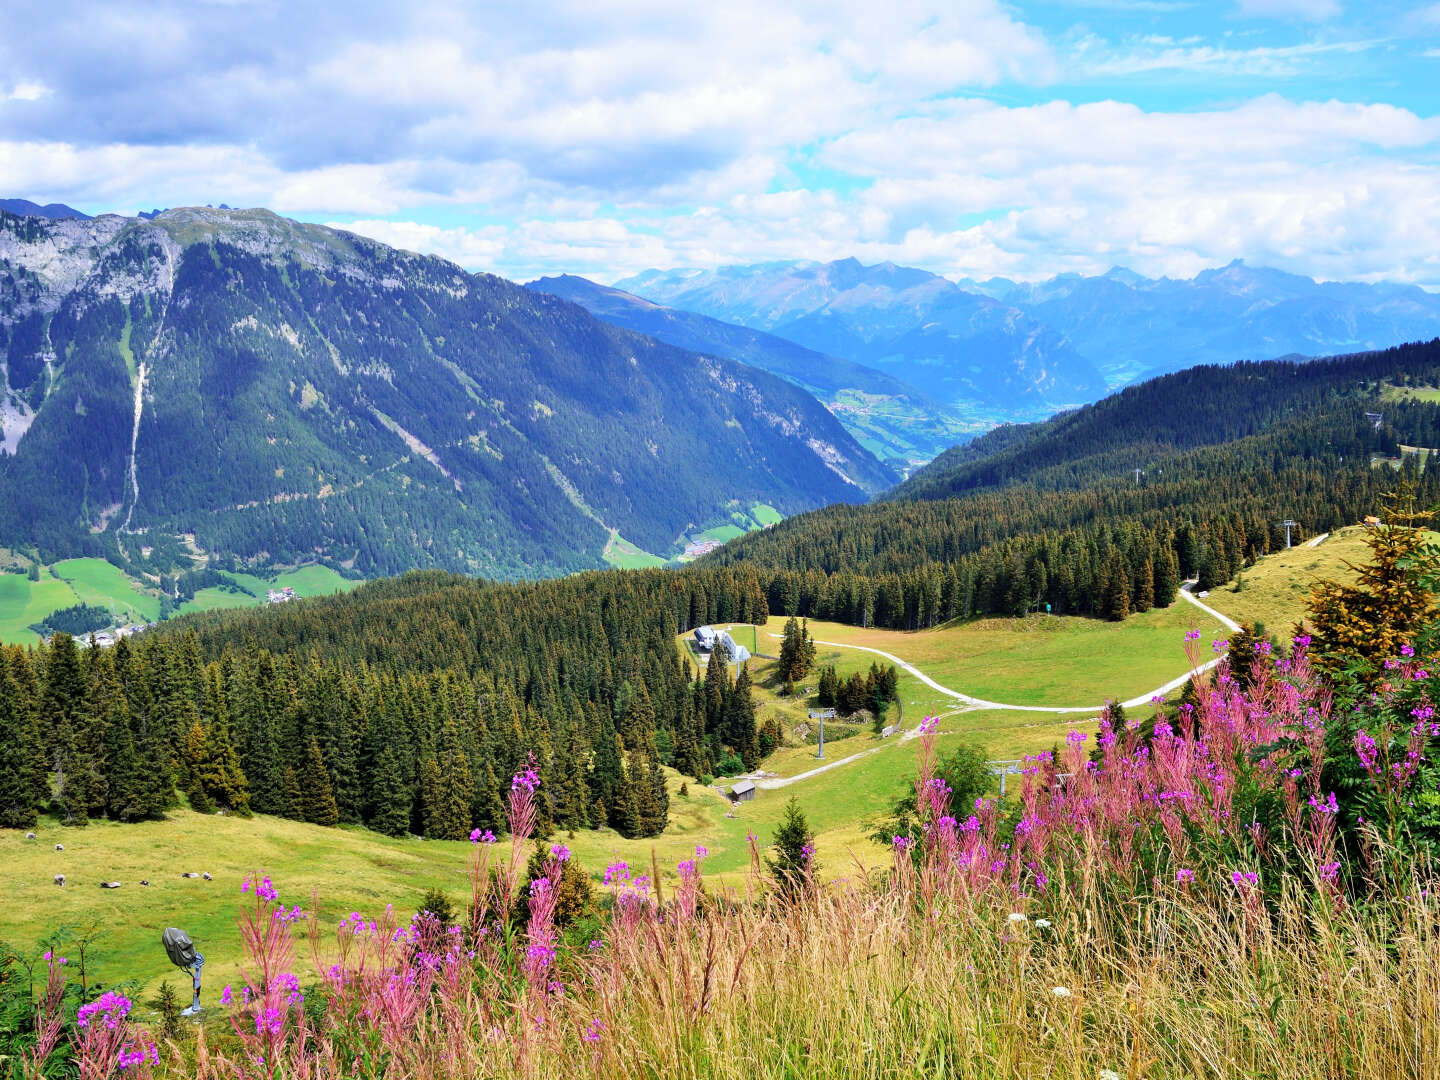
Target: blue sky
{"x":973,"y":137}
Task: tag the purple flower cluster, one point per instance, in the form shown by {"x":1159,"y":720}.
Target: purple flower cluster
{"x":110,"y":1007}
{"x":264,"y":889}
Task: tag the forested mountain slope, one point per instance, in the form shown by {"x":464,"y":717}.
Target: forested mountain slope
{"x":888,"y":415}
{"x":286,"y":392}
{"x":1054,"y":513}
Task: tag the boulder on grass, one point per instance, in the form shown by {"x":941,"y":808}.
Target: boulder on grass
{"x":110,"y":884}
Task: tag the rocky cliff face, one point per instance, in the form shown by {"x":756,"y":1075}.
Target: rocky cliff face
{"x":282,"y":391}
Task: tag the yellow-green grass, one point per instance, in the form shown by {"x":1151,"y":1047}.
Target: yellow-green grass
{"x":766,"y":515}
{"x":306,"y":581}
{"x":23,"y":602}
{"x":1429,"y":394}
{"x":624,"y":555}
{"x":723,"y":533}
{"x":102,"y":584}
{"x":355,"y":869}
{"x":1275,"y":589}
{"x":1055,"y":661}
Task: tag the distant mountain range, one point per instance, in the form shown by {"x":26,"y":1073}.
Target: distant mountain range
{"x":53,"y":210}
{"x":899,"y":423}
{"x":1134,"y":327}
{"x":276,"y":393}
{"x":1008,"y":350}
{"x":959,"y":347}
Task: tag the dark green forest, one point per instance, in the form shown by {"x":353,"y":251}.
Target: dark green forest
{"x":405,"y":705}
{"x":1055,"y":513}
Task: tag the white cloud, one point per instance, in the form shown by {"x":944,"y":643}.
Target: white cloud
{"x":1301,"y":9}
{"x":1282,"y":62}
{"x":27,"y":91}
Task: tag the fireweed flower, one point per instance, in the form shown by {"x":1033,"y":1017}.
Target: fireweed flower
{"x":226,"y":997}
{"x":929,"y":724}
{"x":561,"y":852}
{"x":1192,"y":635}
{"x":528,"y":780}
{"x":110,"y":1008}
{"x":592,"y":1033}
{"x":1184,"y":877}
{"x":1406,"y":650}
{"x":478,"y":836}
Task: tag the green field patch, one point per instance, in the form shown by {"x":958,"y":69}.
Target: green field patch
{"x":306,"y":581}
{"x":97,"y":582}
{"x":1043,"y":660}
{"x":723,"y":533}
{"x":624,"y":555}
{"x":24,"y":603}
{"x":766,"y":515}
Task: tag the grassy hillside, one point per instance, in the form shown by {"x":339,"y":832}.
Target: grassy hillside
{"x":1056,"y":661}
{"x":24,"y":603}
{"x":1024,"y":661}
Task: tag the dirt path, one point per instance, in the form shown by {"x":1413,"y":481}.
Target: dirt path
{"x":1316,"y":541}
{"x":969,"y":703}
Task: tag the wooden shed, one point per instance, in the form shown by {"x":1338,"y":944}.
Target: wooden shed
{"x":744,"y":791}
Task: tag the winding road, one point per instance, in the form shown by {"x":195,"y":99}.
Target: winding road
{"x":969,"y":703}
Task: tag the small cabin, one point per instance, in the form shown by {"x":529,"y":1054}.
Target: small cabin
{"x":744,"y":791}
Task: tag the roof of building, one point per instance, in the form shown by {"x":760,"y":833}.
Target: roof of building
{"x":743,"y":786}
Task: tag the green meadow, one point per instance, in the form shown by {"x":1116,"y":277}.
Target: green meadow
{"x":94,"y":581}
{"x":1060,"y":661}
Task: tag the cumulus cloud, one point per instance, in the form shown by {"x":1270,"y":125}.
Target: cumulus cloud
{"x":604,"y":139}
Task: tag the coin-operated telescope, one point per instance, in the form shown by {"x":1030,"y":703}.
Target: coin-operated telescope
{"x":183,"y":955}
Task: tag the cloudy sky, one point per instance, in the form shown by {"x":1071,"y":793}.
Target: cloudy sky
{"x":970,"y":137}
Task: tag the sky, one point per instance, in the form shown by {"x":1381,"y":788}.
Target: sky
{"x":973,"y":138}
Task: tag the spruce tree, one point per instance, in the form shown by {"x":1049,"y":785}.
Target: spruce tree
{"x":1115,"y":603}
{"x":390,"y":795}
{"x":740,"y":720}
{"x":292,"y":797}
{"x":19,"y":752}
{"x":317,"y":800}
{"x":1358,"y":627}
{"x":793,"y":859}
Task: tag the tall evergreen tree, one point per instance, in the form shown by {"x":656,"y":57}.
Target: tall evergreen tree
{"x":20,"y":751}
{"x":390,"y":795}
{"x":317,"y":800}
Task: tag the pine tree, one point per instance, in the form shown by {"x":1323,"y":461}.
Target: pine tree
{"x":317,"y":800}
{"x":1360,"y":626}
{"x":292,"y":797}
{"x":19,"y":752}
{"x":1115,"y":603}
{"x":1145,"y":587}
{"x":740,"y":720}
{"x":793,"y":862}
{"x":607,"y":772}
{"x":193,"y":766}
{"x":390,"y":795}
